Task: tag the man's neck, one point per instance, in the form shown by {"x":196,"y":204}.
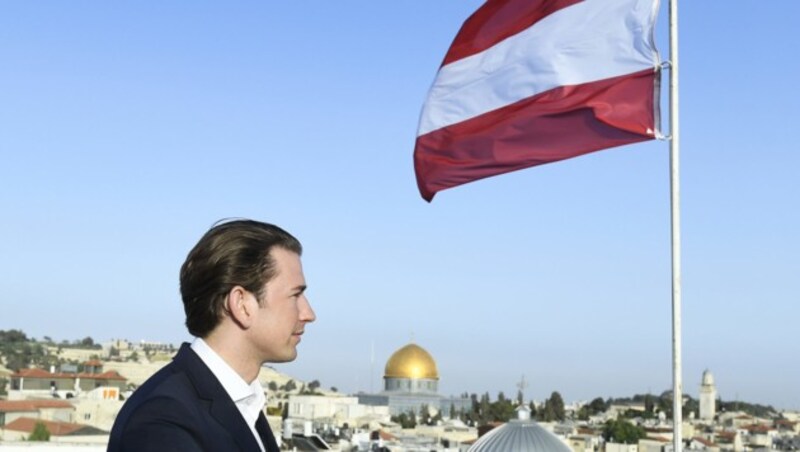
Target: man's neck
{"x":234,"y":354}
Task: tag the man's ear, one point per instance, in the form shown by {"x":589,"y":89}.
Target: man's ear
{"x":240,"y":305}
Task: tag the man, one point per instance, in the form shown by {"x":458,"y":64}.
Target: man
{"x":242,"y":287}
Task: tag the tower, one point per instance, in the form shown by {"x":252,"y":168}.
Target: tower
{"x":708,"y":396}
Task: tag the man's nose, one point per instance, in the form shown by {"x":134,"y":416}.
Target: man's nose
{"x":306,"y":312}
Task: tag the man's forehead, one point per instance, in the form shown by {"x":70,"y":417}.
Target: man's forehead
{"x":288,"y":265}
{"x":285,"y":256}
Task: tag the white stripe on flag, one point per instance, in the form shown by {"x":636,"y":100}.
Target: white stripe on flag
{"x":589,"y":41}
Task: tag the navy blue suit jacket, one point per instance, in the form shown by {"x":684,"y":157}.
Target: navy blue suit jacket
{"x":183,"y":407}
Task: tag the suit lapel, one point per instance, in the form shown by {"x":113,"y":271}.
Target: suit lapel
{"x":267,"y":438}
{"x":221,"y":407}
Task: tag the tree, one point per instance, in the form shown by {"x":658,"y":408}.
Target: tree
{"x":484,"y":409}
{"x":502,"y":410}
{"x":597,"y":406}
{"x":622,"y":431}
{"x":406,"y":420}
{"x":3,"y":383}
{"x":87,"y":342}
{"x":290,"y":386}
{"x":547,"y":414}
{"x":553,"y":408}
{"x":649,"y":406}
{"x":39,"y":433}
{"x":272,"y":386}
{"x":583,"y":413}
{"x":9,"y":336}
{"x":314,"y":385}
{"x":424,"y":415}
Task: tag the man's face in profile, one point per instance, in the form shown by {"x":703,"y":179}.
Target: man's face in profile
{"x":284,"y":311}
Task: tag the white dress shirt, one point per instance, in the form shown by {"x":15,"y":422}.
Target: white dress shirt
{"x":249,"y":398}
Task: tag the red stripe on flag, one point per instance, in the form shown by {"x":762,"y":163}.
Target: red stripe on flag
{"x":558,"y":124}
{"x":497,"y":20}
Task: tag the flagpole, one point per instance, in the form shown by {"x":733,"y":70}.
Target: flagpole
{"x":677,"y":384}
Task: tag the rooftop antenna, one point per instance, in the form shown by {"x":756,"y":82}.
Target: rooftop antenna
{"x":372,"y":367}
{"x":522,"y":385}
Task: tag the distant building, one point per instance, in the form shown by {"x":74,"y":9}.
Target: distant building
{"x":22,"y":427}
{"x":336,"y":409}
{"x":51,"y":410}
{"x":411,"y":382}
{"x":39,"y":382}
{"x":708,"y":397}
{"x":155,"y":346}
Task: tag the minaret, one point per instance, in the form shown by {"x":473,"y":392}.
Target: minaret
{"x":708,"y":397}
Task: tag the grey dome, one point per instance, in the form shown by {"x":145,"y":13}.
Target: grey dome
{"x":519,"y":436}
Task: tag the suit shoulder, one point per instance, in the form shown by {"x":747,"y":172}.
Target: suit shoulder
{"x":158,"y":423}
{"x":167,"y":400}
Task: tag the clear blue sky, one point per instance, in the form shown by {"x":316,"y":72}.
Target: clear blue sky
{"x":128,"y":128}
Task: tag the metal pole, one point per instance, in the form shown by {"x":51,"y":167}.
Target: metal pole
{"x":677,"y":385}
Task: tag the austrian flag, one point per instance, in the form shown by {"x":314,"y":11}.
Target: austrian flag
{"x":528,"y":82}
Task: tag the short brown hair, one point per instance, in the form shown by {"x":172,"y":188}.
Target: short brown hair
{"x":232,"y":253}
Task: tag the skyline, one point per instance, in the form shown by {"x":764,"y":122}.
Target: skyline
{"x":377,"y":368}
{"x":127,"y":130}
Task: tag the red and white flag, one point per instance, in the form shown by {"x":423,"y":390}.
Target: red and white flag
{"x":528,"y":82}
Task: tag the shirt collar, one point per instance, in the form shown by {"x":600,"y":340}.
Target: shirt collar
{"x":238,"y":390}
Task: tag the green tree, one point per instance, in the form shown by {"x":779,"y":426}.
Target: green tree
{"x":272,"y":386}
{"x":622,"y":431}
{"x":691,"y":405}
{"x":9,"y":336}
{"x":424,"y":415}
{"x":649,"y":406}
{"x":406,"y":420}
{"x":553,"y":408}
{"x":3,"y":383}
{"x":39,"y":433}
{"x":484,"y":409}
{"x":314,"y":385}
{"x":597,"y":406}
{"x":502,"y":410}
{"x":547,"y":414}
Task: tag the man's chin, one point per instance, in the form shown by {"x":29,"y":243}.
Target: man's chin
{"x":288,"y":357}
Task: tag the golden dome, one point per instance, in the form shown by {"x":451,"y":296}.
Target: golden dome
{"x":411,"y":361}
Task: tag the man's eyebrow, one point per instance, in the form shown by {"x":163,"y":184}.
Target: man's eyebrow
{"x":300,"y":289}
